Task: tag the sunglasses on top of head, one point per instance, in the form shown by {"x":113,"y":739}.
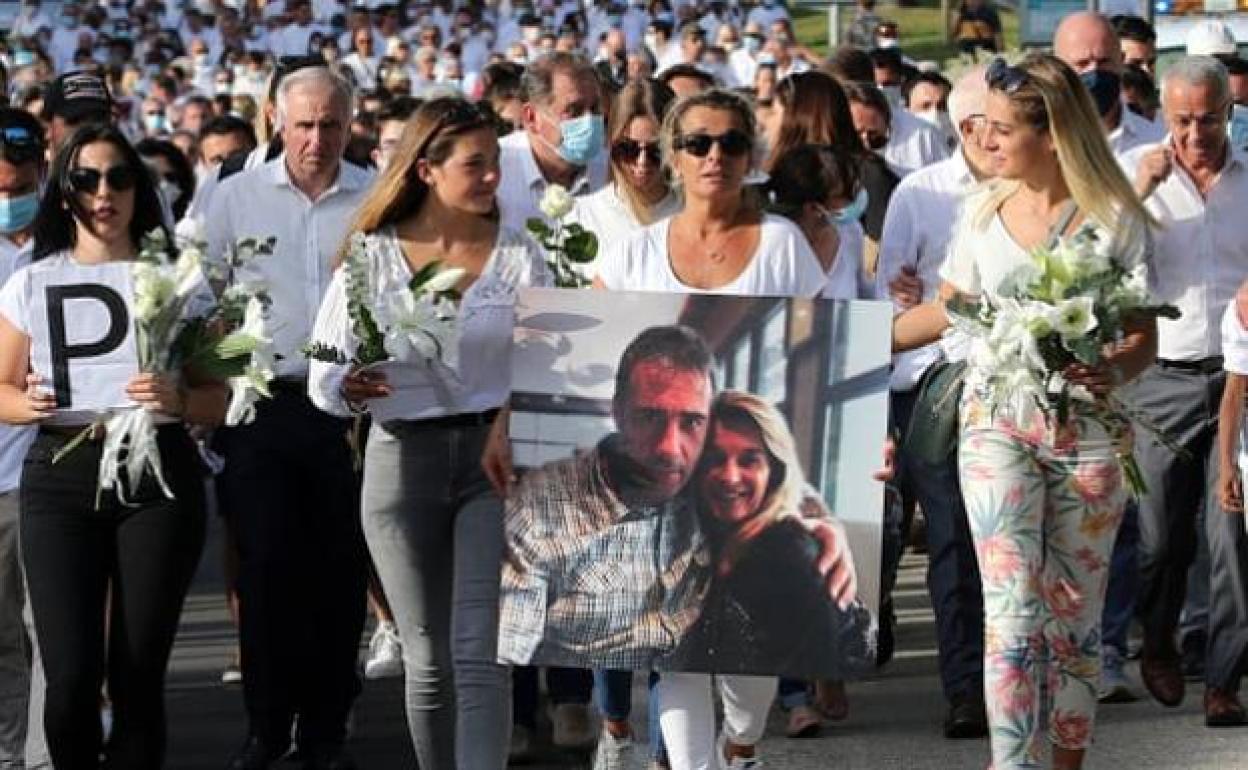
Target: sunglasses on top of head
{"x":87,"y":180}
{"x":1005,"y":77}
{"x":732,"y":143}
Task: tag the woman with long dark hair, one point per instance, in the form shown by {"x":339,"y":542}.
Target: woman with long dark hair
{"x":80,"y":544}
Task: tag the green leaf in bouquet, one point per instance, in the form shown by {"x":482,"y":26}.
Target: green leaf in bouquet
{"x":538,"y":227}
{"x":326,"y":354}
{"x":1086,"y":349}
{"x":581,"y":246}
{"x":961,"y":306}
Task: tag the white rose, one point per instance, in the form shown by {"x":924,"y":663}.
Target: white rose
{"x":556,"y":202}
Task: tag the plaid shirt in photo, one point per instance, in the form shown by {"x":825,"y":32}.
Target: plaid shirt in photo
{"x":589,"y":581}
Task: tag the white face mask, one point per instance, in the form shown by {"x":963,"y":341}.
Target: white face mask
{"x":940,"y":120}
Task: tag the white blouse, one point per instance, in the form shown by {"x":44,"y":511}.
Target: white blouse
{"x":481,"y":378}
{"x":783,"y":265}
{"x":607,"y":216}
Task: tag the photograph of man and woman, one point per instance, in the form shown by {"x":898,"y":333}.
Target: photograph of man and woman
{"x":697,"y":488}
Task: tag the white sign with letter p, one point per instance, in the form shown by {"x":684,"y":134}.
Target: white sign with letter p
{"x":82,"y":335}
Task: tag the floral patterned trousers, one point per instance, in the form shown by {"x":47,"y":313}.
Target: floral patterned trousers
{"x":1044,"y":502}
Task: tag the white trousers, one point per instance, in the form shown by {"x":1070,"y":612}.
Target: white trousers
{"x":687,"y":715}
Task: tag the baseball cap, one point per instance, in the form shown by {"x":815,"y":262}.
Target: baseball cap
{"x":1210,"y":37}
{"x":77,"y":96}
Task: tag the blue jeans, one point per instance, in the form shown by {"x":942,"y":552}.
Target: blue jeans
{"x":613,"y":692}
{"x":435,"y":529}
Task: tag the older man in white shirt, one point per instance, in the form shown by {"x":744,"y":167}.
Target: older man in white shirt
{"x":288,"y":484}
{"x":562,"y":140}
{"x":1195,"y":184}
{"x":917,"y":230}
{"x":1088,"y":43}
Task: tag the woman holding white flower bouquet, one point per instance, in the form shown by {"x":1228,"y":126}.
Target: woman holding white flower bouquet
{"x":79,"y":543}
{"x":1038,"y":262}
{"x":416,"y":328}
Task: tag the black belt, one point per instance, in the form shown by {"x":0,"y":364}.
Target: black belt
{"x":461,"y":420}
{"x":1210,"y":365}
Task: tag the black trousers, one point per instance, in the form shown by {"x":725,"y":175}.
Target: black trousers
{"x":292,"y":497}
{"x":135,"y":564}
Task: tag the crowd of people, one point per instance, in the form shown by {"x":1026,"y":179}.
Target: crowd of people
{"x":709,"y":151}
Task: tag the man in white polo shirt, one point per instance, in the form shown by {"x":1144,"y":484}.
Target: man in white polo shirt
{"x":562,"y":141}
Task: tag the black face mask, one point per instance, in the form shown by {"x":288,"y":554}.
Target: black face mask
{"x":1105,"y":87}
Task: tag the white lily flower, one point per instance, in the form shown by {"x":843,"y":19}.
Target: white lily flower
{"x":1075,"y":317}
{"x":444,"y":280}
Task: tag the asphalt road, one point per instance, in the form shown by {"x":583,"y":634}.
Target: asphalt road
{"x":894,"y":717}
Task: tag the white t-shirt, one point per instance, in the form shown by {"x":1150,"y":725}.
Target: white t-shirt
{"x":607,"y":216}
{"x":1235,"y":360}
{"x":783,"y":264}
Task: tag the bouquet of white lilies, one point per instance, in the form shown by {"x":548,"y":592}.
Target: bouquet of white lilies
{"x":178,"y":324}
{"x":418,"y":324}
{"x":1063,"y":307}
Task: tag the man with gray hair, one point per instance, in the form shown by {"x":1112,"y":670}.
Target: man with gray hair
{"x":562,"y":141}
{"x":917,"y":230}
{"x":288,"y":485}
{"x":1195,"y":185}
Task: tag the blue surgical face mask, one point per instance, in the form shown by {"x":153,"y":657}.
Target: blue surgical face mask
{"x":18,"y":212}
{"x":23,"y":58}
{"x":852,"y":212}
{"x":581,"y":139}
{"x":753,"y":44}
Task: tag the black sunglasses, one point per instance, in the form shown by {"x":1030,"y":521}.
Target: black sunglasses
{"x":733,"y":143}
{"x":629,"y":150}
{"x":87,"y":180}
{"x":1005,"y":77}
{"x":19,"y":144}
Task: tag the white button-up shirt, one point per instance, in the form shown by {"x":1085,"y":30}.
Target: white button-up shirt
{"x":521,"y":184}
{"x":1201,"y":256}
{"x":918,"y":227}
{"x":1134,"y":130}
{"x":913,"y":143}
{"x":264,"y":202}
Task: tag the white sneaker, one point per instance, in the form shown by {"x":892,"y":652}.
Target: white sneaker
{"x":1114,"y":685}
{"x":572,"y":726}
{"x":385,"y":653}
{"x":736,"y":763}
{"x":614,"y":753}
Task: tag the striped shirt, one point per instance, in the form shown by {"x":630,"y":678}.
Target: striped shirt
{"x":590,"y":581}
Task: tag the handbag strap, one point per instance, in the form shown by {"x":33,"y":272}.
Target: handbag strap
{"x":1063,"y":221}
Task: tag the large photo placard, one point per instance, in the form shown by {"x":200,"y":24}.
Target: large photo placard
{"x":696,"y":483}
{"x":82,"y":338}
